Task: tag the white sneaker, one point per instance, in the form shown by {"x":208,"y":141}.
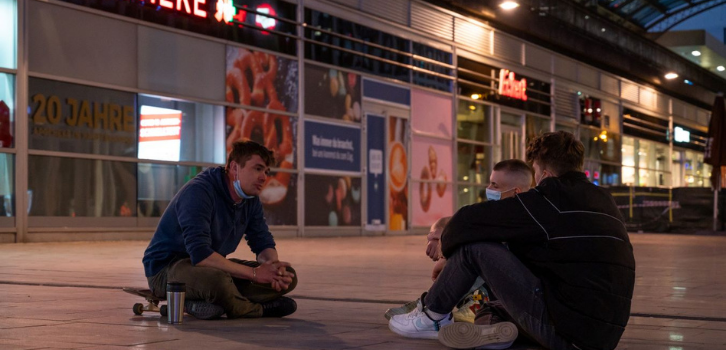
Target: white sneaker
{"x":401,"y":310}
{"x":418,"y":324}
{"x":462,"y":335}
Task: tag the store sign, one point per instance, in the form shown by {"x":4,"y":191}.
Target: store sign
{"x":81,"y":119}
{"x":511,"y":87}
{"x":190,"y":7}
{"x":681,"y":135}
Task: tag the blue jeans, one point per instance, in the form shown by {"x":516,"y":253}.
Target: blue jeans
{"x":518,"y":290}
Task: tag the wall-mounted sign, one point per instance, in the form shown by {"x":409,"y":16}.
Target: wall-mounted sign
{"x":190,"y":7}
{"x":80,"y":119}
{"x":511,"y":87}
{"x":251,"y":22}
{"x":681,"y":135}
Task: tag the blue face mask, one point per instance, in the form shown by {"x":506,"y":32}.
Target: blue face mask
{"x":238,"y":188}
{"x":493,"y":195}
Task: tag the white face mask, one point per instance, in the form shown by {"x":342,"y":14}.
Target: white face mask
{"x":493,"y":195}
{"x":238,"y":187}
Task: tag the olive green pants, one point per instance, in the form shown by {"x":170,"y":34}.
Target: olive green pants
{"x":238,"y":297}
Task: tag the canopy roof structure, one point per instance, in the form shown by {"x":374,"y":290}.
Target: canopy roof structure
{"x":657,"y":15}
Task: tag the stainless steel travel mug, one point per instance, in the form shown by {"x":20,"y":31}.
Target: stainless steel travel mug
{"x":175,"y":292}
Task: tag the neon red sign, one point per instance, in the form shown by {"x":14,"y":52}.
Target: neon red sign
{"x":264,"y":21}
{"x":510,"y":87}
{"x":184,"y":6}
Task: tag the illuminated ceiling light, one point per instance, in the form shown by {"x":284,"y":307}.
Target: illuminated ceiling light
{"x":475,"y":96}
{"x":671,"y":75}
{"x":696,"y":53}
{"x":472,"y":107}
{"x":509,"y":5}
{"x":603,"y":30}
{"x":720,"y":68}
{"x":688,"y":82}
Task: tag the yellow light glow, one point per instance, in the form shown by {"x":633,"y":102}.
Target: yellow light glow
{"x":475,"y":96}
{"x":604,"y":135}
{"x":472,"y":107}
{"x":509,"y":5}
{"x":671,"y":75}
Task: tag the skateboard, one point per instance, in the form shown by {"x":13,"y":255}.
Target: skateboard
{"x":152,"y":301}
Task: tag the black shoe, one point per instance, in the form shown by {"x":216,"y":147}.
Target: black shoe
{"x":279,"y":307}
{"x":202,"y":309}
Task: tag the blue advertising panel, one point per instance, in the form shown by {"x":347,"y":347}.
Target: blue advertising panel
{"x":376,"y":172}
{"x":332,"y":147}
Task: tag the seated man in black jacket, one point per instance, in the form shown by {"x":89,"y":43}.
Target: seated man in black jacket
{"x":567,"y":279}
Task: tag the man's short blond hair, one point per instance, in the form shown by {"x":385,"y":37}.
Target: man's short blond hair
{"x":440,"y":223}
{"x":522,"y":173}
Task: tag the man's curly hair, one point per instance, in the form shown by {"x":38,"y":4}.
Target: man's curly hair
{"x":557,"y":151}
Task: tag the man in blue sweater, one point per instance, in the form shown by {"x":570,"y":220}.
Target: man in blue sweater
{"x":205,"y":222}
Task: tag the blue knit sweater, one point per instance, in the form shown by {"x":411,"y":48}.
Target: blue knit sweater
{"x":202,"y":218}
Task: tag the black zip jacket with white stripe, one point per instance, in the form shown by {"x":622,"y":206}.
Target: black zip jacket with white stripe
{"x":571,"y":235}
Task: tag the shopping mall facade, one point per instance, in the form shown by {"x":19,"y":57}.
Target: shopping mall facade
{"x":384,"y":115}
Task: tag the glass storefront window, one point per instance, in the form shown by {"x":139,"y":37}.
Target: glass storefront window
{"x":473,"y":121}
{"x":7,"y":186}
{"x":158,"y":183}
{"x":71,"y":187}
{"x":473,"y":163}
{"x":8,"y":34}
{"x":697,"y":173}
{"x":176,"y":130}
{"x":470,"y":195}
{"x":602,"y":174}
{"x":7,"y":109}
{"x":601,"y":145}
{"x":653,"y":155}
{"x":646,"y":163}
{"x":325,"y":47}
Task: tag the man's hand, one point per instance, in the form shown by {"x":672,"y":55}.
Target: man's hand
{"x":274,"y":273}
{"x":269,"y":256}
{"x":433,"y":246}
{"x":438,"y":267}
{"x":432,"y":249}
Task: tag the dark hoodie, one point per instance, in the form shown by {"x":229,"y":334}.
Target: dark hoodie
{"x":571,"y":235}
{"x":202,"y":218}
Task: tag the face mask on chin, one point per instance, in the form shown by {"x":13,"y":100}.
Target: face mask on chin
{"x":493,"y":195}
{"x":238,"y":188}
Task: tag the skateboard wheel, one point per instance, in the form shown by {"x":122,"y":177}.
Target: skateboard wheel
{"x":164,"y":311}
{"x":138,"y":309}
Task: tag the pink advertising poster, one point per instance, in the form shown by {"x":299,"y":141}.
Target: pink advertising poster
{"x":431,"y":113}
{"x":431,"y":161}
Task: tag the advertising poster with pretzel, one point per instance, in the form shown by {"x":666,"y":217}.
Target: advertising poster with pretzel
{"x":332,"y":200}
{"x":261,"y":79}
{"x":266,"y":81}
{"x":332,"y":93}
{"x":431,"y":162}
{"x":279,"y":134}
{"x":398,"y":173}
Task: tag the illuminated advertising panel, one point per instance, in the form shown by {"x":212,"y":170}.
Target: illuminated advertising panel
{"x":160,"y":133}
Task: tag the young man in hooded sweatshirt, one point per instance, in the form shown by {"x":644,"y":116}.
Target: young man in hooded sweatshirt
{"x":204,"y":222}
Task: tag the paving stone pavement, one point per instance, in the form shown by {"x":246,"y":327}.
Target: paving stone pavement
{"x":68,"y":296}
